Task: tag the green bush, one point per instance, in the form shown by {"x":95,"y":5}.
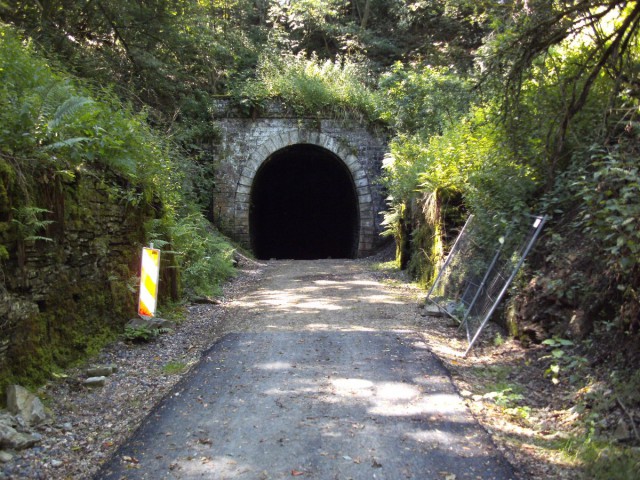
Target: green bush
{"x":203,"y":256}
{"x":142,"y":333}
{"x":56,"y":124}
{"x":54,"y":130}
{"x":52,"y":122}
{"x":422,"y":98}
{"x":435,"y":179}
{"x":311,"y":86}
{"x":612,"y":208}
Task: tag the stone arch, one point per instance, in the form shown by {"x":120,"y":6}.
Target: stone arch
{"x":277,"y":142}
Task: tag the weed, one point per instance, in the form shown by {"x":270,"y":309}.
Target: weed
{"x":612,"y":462}
{"x":391,"y":266}
{"x":561,"y":361}
{"x":28,"y":222}
{"x":311,"y":86}
{"x":174,"y":368}
{"x":142,"y":333}
{"x":173,"y":311}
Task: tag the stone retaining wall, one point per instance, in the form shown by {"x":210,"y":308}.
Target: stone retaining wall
{"x":58,"y":296}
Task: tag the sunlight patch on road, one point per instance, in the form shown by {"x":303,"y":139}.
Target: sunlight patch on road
{"x":433,"y":437}
{"x":318,"y":305}
{"x":325,"y":327}
{"x":283,"y":394}
{"x":386,"y":299}
{"x":203,"y":466}
{"x":290,"y":300}
{"x":431,"y":404}
{"x":353,"y":387}
{"x":396,"y":391}
{"x":327,"y":282}
{"x":274,"y":366}
{"x":366,"y":283}
{"x":393,"y":398}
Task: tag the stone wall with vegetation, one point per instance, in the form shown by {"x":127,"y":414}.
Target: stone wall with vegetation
{"x":71,"y":287}
{"x":84,"y":182}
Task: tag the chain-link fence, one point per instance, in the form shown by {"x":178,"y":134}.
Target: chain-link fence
{"x":477,"y":273}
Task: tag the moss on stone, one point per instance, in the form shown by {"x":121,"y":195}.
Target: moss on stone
{"x":79,"y":284}
{"x":74,"y":323}
{"x":7,"y":180}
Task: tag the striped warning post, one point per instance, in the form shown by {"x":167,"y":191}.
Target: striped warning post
{"x":149,"y":282}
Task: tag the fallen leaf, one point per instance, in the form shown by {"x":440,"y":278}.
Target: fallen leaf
{"x":296,"y":473}
{"x":448,"y":476}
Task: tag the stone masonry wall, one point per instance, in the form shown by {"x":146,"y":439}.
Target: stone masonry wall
{"x":248,"y":141}
{"x":57,"y":296}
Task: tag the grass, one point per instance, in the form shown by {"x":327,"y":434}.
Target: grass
{"x":584,"y":453}
{"x":390,"y":266}
{"x":174,"y":311}
{"x":313,"y":86}
{"x":609,"y":460}
{"x":174,"y":367}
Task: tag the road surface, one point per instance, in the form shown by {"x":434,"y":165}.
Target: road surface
{"x":320,"y":374}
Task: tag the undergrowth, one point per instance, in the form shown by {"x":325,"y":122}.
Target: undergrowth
{"x":67,"y":146}
{"x":311,"y":87}
{"x":581,"y":416}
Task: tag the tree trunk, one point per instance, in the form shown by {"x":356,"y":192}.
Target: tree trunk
{"x":365,"y":15}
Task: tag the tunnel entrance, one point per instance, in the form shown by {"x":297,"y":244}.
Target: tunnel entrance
{"x":303,"y":206}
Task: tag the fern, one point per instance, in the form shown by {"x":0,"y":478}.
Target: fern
{"x":67,"y":109}
{"x":142,"y":333}
{"x":28,"y":223}
{"x":122,"y":163}
{"x":158,"y":243}
{"x":69,"y":142}
{"x":53,"y":94}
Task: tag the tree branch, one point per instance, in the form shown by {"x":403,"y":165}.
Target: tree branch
{"x":117,"y":33}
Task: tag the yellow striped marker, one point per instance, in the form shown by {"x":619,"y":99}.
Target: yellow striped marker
{"x":149,"y":282}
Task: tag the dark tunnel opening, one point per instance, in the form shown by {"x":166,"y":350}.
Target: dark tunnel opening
{"x":303,"y":206}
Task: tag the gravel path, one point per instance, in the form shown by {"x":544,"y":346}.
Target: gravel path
{"x":319,"y":373}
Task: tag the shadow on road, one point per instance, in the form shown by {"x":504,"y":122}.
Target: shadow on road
{"x":323,"y":405}
{"x":320,"y":376}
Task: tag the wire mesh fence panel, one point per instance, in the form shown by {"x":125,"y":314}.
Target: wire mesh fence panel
{"x":477,"y":272}
{"x":449,"y":287}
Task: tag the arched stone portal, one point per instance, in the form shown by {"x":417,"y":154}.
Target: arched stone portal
{"x":291,"y":157}
{"x":304,"y":205}
{"x":279,"y":147}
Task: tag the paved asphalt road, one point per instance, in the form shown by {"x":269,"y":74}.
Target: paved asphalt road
{"x":320,"y":374}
